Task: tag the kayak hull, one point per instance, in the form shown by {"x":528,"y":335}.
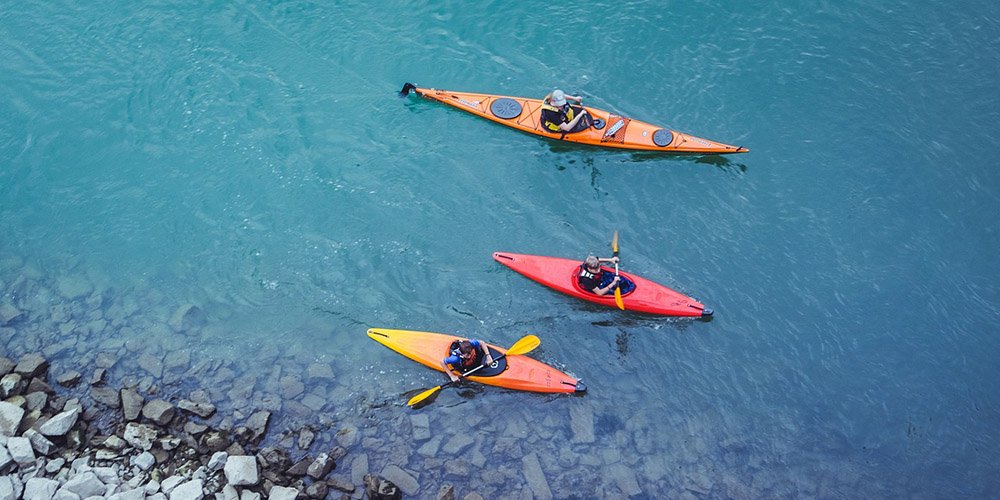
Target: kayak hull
{"x":520,"y":373}
{"x":560,"y":274}
{"x":618,"y":132}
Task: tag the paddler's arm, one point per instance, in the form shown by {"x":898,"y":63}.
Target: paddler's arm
{"x":567,"y":126}
{"x":448,"y":370}
{"x":479,"y":344}
{"x":605,"y":290}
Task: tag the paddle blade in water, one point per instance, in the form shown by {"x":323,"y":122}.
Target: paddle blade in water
{"x":422,"y":396}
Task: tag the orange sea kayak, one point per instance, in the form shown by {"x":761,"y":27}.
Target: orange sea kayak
{"x":610,"y":130}
{"x":512,"y":372}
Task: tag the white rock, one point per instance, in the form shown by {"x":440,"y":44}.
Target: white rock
{"x":20,"y":450}
{"x":152,"y":487}
{"x":6,"y":461}
{"x":249,"y":495}
{"x":144,"y":461}
{"x":10,"y":487}
{"x":107,"y":475}
{"x":170,"y":483}
{"x":191,"y":490}
{"x":140,"y":436}
{"x":217,"y":461}
{"x":283,"y":493}
{"x":133,"y":494}
{"x":85,"y":485}
{"x":60,"y":424}
{"x":39,"y":488}
{"x":40,"y":443}
{"x":81,"y":464}
{"x":10,"y":418}
{"x":230,"y":493}
{"x":241,"y":470}
{"x":54,"y":465}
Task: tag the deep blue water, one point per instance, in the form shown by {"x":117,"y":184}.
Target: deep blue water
{"x":253,"y":159}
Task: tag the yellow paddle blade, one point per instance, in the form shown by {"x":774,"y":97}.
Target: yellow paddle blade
{"x":618,"y":299}
{"x":527,"y":344}
{"x":614,"y":242}
{"x":422,"y":396}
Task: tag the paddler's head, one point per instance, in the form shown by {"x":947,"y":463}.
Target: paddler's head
{"x":593,"y":265}
{"x":558,"y":98}
{"x":465,"y":348}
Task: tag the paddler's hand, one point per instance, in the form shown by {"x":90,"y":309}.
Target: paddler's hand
{"x":454,"y":378}
{"x":614,"y":260}
{"x":489,"y":359}
{"x":616,"y":280}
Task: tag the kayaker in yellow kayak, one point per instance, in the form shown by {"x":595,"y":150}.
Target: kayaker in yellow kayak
{"x":559,"y":116}
{"x":465,"y":355}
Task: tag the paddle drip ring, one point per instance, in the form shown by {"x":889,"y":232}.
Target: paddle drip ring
{"x":505,"y":108}
{"x":662,"y":137}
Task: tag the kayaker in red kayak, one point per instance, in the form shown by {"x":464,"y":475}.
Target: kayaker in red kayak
{"x":559,"y":116}
{"x":465,"y":355}
{"x":595,"y":279}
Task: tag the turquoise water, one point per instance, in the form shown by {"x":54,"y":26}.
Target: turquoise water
{"x":253,"y":159}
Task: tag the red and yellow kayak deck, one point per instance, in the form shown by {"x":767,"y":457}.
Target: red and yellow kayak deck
{"x":616,"y":131}
{"x":561,"y":274}
{"x":512,"y":372}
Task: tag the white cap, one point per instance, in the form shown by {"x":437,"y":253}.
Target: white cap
{"x":558,"y":98}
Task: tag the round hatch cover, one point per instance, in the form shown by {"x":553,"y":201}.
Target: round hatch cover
{"x":662,"y":137}
{"x":505,"y":108}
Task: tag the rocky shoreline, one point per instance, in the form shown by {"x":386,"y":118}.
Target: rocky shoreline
{"x":139,"y":447}
{"x":141,"y":372}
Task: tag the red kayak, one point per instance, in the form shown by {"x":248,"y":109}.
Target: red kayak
{"x":561,"y":274}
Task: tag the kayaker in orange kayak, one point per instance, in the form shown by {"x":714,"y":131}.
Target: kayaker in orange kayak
{"x":559,"y":116}
{"x":465,"y":355}
{"x":594,"y":279}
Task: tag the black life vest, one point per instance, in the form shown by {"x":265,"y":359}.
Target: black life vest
{"x":565,"y":114}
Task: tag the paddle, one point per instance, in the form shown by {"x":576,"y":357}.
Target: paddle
{"x":618,"y":289}
{"x":407,"y":87}
{"x":527,"y":344}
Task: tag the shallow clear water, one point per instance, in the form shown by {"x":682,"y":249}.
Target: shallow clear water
{"x":252,"y":159}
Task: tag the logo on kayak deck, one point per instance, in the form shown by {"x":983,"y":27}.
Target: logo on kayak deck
{"x":470,"y":103}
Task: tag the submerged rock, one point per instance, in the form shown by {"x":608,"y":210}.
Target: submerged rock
{"x":132,"y":404}
{"x":187,"y":317}
{"x":378,"y":488}
{"x":533,"y":474}
{"x":159,"y":411}
{"x":31,"y":365}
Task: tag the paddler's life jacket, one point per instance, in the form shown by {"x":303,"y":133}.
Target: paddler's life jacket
{"x":588,"y":280}
{"x":564,"y":115}
{"x":472,"y":362}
